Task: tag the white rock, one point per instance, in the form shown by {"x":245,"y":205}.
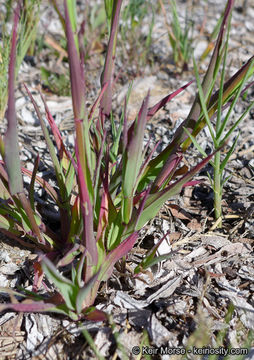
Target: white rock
{"x":200,"y":48}
{"x":20,"y":102}
{"x":28,"y":117}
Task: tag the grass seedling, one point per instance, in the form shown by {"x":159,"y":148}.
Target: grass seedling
{"x":180,"y":39}
{"x":133,"y":16}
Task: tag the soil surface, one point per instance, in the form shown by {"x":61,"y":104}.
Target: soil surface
{"x":204,"y":291}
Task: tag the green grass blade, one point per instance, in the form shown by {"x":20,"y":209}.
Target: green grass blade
{"x":237,"y":122}
{"x":220,"y":97}
{"x":203,"y":101}
{"x":72,"y":11}
{"x":84,"y":293}
{"x":241,"y":83}
{"x":91,"y":343}
{"x":132,"y":161}
{"x":67,"y":289}
{"x":195,"y":143}
{"x":229,"y":153}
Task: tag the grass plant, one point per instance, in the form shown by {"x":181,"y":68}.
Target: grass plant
{"x":56,"y":83}
{"x":106,"y":190}
{"x":201,"y":339}
{"x":180,"y":38}
{"x":133,"y":15}
{"x":221,"y":131}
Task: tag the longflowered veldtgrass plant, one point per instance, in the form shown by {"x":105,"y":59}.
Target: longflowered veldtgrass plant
{"x":119,"y":188}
